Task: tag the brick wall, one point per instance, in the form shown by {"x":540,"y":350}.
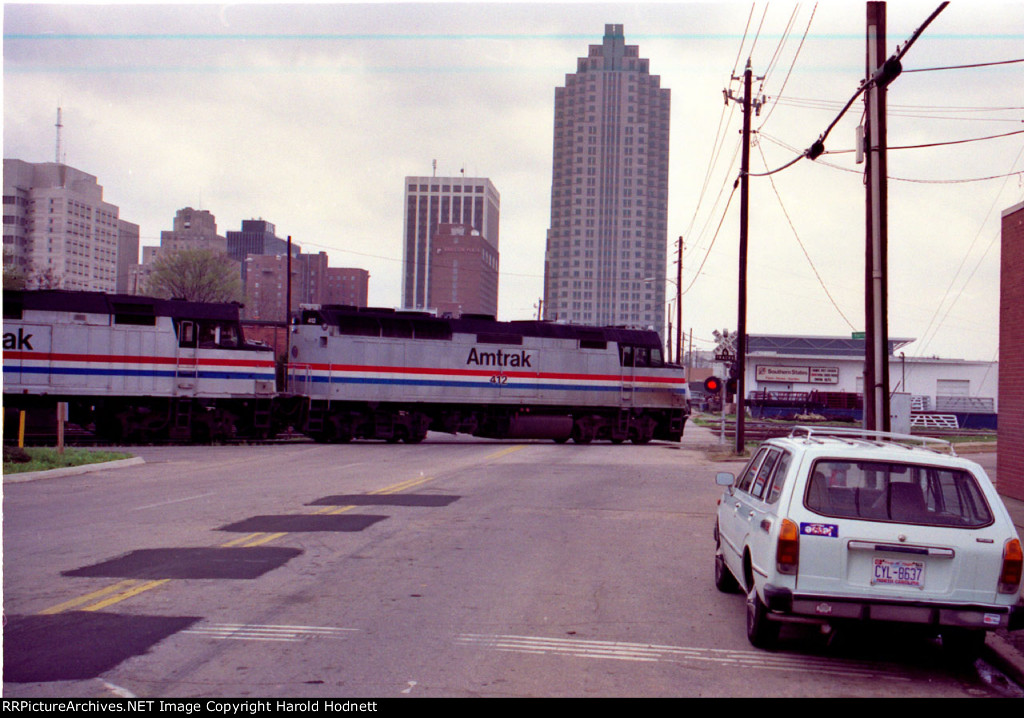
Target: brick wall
{"x":1011,"y":355}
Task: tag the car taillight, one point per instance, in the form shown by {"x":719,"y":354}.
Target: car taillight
{"x":1013,"y":564}
{"x":787,"y":552}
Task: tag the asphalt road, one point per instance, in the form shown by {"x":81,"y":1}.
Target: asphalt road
{"x":451,"y":568}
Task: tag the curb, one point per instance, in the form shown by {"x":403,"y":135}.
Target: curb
{"x":71,"y":470}
{"x":1002,"y":654}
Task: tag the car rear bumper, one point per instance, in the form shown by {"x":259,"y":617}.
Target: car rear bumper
{"x":783,"y":603}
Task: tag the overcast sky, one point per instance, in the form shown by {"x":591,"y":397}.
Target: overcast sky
{"x":311,"y":116}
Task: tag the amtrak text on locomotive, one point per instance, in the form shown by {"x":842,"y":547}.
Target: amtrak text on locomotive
{"x":17,"y":341}
{"x":499,"y":358}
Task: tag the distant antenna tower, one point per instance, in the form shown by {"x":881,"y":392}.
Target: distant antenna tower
{"x":59,"y":126}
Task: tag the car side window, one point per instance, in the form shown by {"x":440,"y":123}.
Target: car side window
{"x":751,"y":471}
{"x":779,"y":479}
{"x":764,"y":473}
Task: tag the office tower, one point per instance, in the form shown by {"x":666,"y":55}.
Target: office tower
{"x":193,"y":229}
{"x":58,"y":229}
{"x":127,"y":254}
{"x":429,"y":202}
{"x":258,"y":237}
{"x":464,"y":272}
{"x":607,"y":243}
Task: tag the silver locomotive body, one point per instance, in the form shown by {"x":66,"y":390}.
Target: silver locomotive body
{"x":137,"y":368}
{"x":372,"y":373}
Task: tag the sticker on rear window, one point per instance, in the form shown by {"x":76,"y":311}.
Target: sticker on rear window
{"x":829,"y":530}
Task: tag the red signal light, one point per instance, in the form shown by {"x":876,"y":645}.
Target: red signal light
{"x":712,"y":385}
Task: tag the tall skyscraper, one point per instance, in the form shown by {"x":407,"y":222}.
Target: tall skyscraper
{"x":58,"y":228}
{"x":429,"y":202}
{"x":607,"y":243}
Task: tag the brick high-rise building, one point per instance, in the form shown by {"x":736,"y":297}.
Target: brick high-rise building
{"x":267,"y":284}
{"x":607,"y":243}
{"x":430,"y":201}
{"x":464,"y":273}
{"x":347,"y":285}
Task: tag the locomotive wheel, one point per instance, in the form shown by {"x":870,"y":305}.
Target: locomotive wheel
{"x":336,"y":431}
{"x":582,"y":434}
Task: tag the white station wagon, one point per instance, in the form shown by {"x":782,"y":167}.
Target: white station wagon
{"x":834,"y":526}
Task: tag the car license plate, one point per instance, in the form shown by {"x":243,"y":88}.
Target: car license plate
{"x":898,"y":573}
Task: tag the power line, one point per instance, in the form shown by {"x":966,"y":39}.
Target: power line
{"x":708,"y":253}
{"x":791,"y":66}
{"x":956,"y":142}
{"x":796,"y":235}
{"x":966,"y":67}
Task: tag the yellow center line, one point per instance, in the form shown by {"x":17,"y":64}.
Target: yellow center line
{"x":402,"y":486}
{"x":505,"y":452}
{"x":242,"y":539}
{"x":61,"y":607}
{"x":267,"y":538}
{"x":126,"y":594}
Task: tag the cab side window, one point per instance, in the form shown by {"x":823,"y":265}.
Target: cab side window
{"x":187,"y":334}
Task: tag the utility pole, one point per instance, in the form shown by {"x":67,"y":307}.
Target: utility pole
{"x":679,"y":304}
{"x":741,"y":322}
{"x":288,"y":310}
{"x":876,"y":334}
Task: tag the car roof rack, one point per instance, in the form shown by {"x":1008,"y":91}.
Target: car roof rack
{"x":879,"y":438}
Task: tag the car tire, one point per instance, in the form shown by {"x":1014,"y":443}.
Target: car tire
{"x":761,"y":631}
{"x":724,"y":580}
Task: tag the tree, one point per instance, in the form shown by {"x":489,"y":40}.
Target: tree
{"x":14,"y":277}
{"x":198,"y":275}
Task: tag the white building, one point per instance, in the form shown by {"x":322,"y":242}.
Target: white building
{"x":432,"y":201}
{"x":777,"y":366}
{"x":607,"y":243}
{"x":58,"y":228}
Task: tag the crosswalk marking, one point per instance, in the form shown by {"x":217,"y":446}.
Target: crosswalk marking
{"x":255,"y":632}
{"x":624,"y":651}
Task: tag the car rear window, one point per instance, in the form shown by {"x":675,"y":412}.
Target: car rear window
{"x":897,"y":492}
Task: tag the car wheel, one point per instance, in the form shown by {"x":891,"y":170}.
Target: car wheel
{"x":724,"y":580}
{"x":963,"y":646}
{"x":761,"y":632}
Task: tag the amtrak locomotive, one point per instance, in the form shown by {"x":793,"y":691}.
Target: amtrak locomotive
{"x":138,"y":368}
{"x":372,"y":373}
{"x":143,"y":369}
